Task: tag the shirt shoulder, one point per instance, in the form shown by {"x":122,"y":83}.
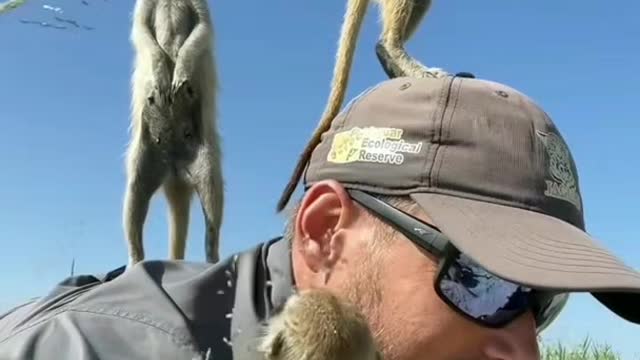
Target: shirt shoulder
{"x":157,"y":309}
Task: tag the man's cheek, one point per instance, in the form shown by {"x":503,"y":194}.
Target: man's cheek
{"x":516,"y":341}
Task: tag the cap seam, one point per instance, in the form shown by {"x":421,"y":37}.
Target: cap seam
{"x":451,"y":116}
{"x":442,"y":107}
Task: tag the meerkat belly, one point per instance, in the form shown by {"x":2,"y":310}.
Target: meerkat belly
{"x":173,"y":23}
{"x":181,"y":155}
{"x":179,"y":168}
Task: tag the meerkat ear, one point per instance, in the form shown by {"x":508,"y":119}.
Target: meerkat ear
{"x":277,"y":345}
{"x":272,"y":346}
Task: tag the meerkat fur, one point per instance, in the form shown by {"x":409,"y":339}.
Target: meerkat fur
{"x":400,"y":19}
{"x":317,"y":325}
{"x":174,"y":139}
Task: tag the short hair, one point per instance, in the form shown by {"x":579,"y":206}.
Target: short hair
{"x":384,"y":233}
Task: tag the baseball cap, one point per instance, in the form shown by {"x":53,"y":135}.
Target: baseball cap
{"x":492,"y":171}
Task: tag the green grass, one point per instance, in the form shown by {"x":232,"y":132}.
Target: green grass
{"x":587,"y":350}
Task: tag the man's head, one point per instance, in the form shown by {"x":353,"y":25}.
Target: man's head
{"x":480,"y":230}
{"x":341,"y":245}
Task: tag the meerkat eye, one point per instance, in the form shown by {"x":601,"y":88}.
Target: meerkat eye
{"x":158,"y":141}
{"x":187,"y":134}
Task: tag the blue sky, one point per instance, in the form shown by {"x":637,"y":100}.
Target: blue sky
{"x":65,"y":103}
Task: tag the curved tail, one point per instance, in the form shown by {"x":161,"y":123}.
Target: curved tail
{"x":356,"y":10}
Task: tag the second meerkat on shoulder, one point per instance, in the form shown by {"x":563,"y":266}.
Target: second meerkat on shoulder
{"x":400,"y":19}
{"x":318,"y":325}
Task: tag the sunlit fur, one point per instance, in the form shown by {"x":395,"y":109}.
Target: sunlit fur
{"x":317,"y":325}
{"x":174,"y":141}
{"x":400,"y":19}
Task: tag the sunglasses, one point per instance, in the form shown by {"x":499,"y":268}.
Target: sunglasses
{"x":461,"y":283}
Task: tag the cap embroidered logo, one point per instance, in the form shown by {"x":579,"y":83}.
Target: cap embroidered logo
{"x":563,"y":184}
{"x":371,"y":144}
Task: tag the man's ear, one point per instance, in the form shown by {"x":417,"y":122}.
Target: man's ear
{"x":326,"y":211}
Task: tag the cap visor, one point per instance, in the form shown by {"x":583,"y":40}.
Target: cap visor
{"x":535,"y":250}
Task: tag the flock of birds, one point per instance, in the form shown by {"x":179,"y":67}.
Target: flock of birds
{"x":58,"y":22}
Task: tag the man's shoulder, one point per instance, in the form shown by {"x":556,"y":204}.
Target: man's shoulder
{"x":157,"y":309}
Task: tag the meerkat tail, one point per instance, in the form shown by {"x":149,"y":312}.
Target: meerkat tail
{"x":356,"y":10}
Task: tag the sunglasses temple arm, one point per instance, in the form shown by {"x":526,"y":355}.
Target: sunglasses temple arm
{"x":431,"y":240}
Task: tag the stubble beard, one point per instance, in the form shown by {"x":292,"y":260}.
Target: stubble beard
{"x":364,"y":290}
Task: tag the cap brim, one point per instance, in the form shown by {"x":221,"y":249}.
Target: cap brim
{"x":535,"y":250}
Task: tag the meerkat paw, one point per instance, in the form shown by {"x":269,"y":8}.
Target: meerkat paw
{"x":132,"y":262}
{"x":434,"y":72}
{"x":160,"y":90}
{"x":160,"y":83}
{"x":181,"y":82}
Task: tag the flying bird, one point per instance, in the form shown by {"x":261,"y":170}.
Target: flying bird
{"x":10,"y":5}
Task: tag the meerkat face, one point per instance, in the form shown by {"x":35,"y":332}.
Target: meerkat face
{"x":318,"y":325}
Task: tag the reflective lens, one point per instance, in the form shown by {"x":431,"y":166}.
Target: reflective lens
{"x":489,"y":299}
{"x":463,"y":284}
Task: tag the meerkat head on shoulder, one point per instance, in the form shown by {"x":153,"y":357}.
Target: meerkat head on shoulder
{"x":318,"y":325}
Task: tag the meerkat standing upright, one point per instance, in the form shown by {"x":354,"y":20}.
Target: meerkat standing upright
{"x":317,"y":325}
{"x":400,"y":19}
{"x":174,"y":137}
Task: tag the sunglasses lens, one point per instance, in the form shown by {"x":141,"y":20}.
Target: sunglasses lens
{"x":481,"y":295}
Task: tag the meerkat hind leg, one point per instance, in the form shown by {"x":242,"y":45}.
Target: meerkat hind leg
{"x":209,"y":187}
{"x":145,"y":176}
{"x":400,"y":19}
{"x":178,"y":194}
{"x":418,"y":12}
